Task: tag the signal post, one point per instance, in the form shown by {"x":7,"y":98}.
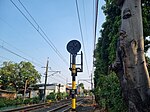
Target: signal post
{"x":73,"y":48}
{"x":74,"y":74}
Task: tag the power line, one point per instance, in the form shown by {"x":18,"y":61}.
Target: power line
{"x":38,"y":29}
{"x":62,"y":76}
{"x":95,"y":28}
{"x":10,"y":51}
{"x":57,"y":80}
{"x":57,"y":51}
{"x":81,"y":35}
{"x":84,"y":17}
{"x":19,"y":50}
{"x":6,"y":58}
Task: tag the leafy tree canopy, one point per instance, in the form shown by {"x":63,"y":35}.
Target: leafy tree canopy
{"x":14,"y":75}
{"x":81,"y":85}
{"x":105,"y":52}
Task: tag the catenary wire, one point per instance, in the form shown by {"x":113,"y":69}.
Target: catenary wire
{"x":94,"y":34}
{"x":43,"y":36}
{"x":20,"y":51}
{"x":10,"y":51}
{"x":95,"y":28}
{"x":85,"y":18}
{"x":81,"y":35}
{"x":39,"y":27}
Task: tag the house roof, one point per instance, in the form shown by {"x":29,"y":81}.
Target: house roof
{"x":6,"y":91}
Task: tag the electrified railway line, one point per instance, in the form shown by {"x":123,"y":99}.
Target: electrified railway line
{"x":61,"y":106}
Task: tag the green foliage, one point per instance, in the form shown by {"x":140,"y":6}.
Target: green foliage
{"x":14,"y":75}
{"x":65,"y":95}
{"x":35,"y":100}
{"x":148,"y":63}
{"x":27,"y":101}
{"x":108,"y":90}
{"x":81,"y":85}
{"x":146,"y":22}
{"x":18,"y":101}
{"x":51,"y":96}
{"x":59,"y":96}
{"x":4,"y":102}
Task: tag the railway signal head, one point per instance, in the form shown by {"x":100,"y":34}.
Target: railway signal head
{"x":73,"y":47}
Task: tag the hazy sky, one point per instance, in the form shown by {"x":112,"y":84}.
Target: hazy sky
{"x":59,"y":21}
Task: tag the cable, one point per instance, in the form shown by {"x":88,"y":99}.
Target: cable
{"x":57,"y":80}
{"x":37,"y":29}
{"x":17,"y":55}
{"x":19,"y":50}
{"x":62,"y":76}
{"x":81,"y":35}
{"x":6,"y":58}
{"x":95,"y":28}
{"x":84,"y":17}
{"x":43,"y":32}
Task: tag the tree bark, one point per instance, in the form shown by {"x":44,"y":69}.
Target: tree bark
{"x":130,"y":64}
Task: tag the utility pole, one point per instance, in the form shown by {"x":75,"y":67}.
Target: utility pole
{"x":92,"y":87}
{"x":25,"y":88}
{"x":45,"y":80}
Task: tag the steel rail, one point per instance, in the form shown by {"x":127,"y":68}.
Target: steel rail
{"x":65,"y":107}
{"x":61,"y":106}
{"x":27,"y":108}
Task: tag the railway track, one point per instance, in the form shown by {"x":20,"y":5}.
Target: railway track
{"x":61,"y":106}
{"x":27,"y":108}
{"x":64,"y":108}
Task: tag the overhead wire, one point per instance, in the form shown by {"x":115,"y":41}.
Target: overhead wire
{"x":6,"y":58}
{"x":38,"y":29}
{"x":10,"y":51}
{"x":80,"y":27}
{"x":57,"y":80}
{"x":95,"y":28}
{"x":20,"y":51}
{"x":62,"y":76}
{"x":94,"y":34}
{"x":84,"y":17}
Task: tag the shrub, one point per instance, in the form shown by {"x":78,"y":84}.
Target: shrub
{"x":27,"y":101}
{"x":51,"y":96}
{"x":9,"y":102}
{"x":65,"y":95}
{"x":108,"y":93}
{"x":2,"y":103}
{"x":35,"y":100}
{"x":18,"y":101}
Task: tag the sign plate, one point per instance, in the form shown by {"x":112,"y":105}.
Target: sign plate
{"x":74,"y":46}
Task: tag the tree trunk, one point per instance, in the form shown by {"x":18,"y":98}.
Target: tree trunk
{"x":130,"y":62}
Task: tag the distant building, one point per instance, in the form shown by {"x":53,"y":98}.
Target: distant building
{"x":7,"y":94}
{"x":79,"y":90}
{"x":39,"y":91}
